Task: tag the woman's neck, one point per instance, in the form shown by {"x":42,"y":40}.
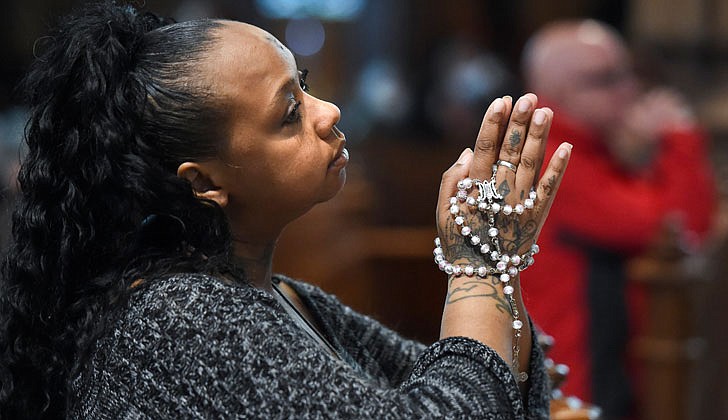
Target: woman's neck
{"x":256,"y":261}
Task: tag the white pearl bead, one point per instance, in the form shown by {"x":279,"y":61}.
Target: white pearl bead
{"x":495,"y":207}
{"x":532,"y":195}
{"x":500,"y":266}
{"x":449,"y":269}
{"x":454,"y":209}
{"x":442,"y":265}
{"x":507,"y":209}
{"x":516,"y":260}
{"x":437,"y":242}
{"x":453,"y":200}
{"x":467,"y":183}
{"x":508,"y":290}
{"x":475,"y":240}
{"x":466,"y":231}
{"x":439,"y":258}
{"x":459,"y":220}
{"x":462,"y":195}
{"x":492,"y":232}
{"x":518,"y":209}
{"x":535,"y":248}
{"x":437,"y":251}
{"x":482,"y":206}
{"x":528,"y":203}
{"x":517,"y":324}
{"x":457,"y":270}
{"x":482,"y":271}
{"x":470,"y":201}
{"x":505,"y":258}
{"x":484,"y":249}
{"x":512,"y":271}
{"x":469,"y":270}
{"x":505,"y":278}
{"x":494,"y":255}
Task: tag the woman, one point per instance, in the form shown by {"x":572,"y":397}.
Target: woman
{"x":164,"y":161}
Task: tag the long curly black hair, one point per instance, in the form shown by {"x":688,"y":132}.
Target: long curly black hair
{"x":116,"y":105}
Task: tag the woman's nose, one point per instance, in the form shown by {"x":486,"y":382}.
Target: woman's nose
{"x":328,"y":115}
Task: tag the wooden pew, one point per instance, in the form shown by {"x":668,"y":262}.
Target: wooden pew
{"x":682,"y":288}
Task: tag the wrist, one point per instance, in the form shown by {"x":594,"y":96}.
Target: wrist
{"x":488,"y":266}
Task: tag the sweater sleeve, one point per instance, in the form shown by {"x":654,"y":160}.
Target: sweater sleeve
{"x":380,"y":352}
{"x":368,"y":340}
{"x":192,"y":347}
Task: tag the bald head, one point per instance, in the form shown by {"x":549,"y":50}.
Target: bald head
{"x":575,"y":64}
{"x":555,"y":53}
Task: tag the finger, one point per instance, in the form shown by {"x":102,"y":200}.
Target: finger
{"x":488,"y":141}
{"x":550,"y":113}
{"x":517,"y":128}
{"x":513,"y":140}
{"x":533,"y":150}
{"x":551,"y":179}
{"x":504,"y":121}
{"x":448,"y":185}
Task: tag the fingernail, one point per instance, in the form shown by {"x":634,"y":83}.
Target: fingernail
{"x":539,"y":116}
{"x":524,"y":105}
{"x":564,"y":150}
{"x":498,"y":106}
{"x":464,"y":156}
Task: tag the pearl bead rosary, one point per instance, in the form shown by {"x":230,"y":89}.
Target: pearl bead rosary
{"x":495,"y":263}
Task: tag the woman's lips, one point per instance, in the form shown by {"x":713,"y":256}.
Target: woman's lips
{"x":341,"y":160}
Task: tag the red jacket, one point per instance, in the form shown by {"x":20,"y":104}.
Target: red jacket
{"x":600,"y":205}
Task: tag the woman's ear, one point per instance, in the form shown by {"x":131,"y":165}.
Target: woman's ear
{"x":202,"y":181}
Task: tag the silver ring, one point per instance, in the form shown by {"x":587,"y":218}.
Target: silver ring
{"x":507,"y":164}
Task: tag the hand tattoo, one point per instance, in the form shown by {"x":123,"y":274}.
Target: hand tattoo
{"x":503,"y":189}
{"x":460,"y":252}
{"x":515,"y":138}
{"x":550,"y":185}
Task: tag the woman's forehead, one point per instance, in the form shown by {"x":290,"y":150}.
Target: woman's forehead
{"x":248,"y":60}
{"x":241,"y":36}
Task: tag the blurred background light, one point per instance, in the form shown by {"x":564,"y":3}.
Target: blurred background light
{"x":383,"y":92}
{"x":337,"y":10}
{"x":305,"y":36}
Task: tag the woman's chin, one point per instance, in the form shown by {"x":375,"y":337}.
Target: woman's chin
{"x":336,"y":186}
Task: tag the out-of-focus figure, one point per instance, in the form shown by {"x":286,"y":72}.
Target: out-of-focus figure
{"x":640,"y":160}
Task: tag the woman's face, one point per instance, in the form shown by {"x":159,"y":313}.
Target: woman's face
{"x":284,"y":153}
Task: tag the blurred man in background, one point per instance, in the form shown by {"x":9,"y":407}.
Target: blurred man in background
{"x":640,"y":158}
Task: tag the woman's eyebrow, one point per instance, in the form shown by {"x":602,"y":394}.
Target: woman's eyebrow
{"x":283,"y":90}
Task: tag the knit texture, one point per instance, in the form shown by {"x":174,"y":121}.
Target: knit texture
{"x":193,"y":346}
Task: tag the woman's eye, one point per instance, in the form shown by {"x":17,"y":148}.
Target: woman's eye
{"x":295,"y":115}
{"x":302,"y":79}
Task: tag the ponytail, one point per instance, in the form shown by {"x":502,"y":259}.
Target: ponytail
{"x":115,"y":107}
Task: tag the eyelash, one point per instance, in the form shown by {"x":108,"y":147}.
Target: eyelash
{"x":302,"y":80}
{"x":295,"y":115}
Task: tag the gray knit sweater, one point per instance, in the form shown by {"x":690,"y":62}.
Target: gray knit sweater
{"x":192,"y":346}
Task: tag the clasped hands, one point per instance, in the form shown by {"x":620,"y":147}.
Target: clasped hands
{"x":508,"y":154}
